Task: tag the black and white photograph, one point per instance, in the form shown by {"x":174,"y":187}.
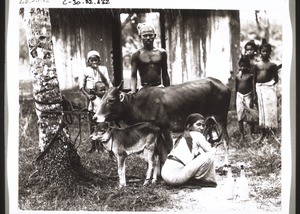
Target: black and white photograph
{"x":162,"y":107}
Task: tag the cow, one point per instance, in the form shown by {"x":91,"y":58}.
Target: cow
{"x":169,"y":107}
{"x":141,"y":137}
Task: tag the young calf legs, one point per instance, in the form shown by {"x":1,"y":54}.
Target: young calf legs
{"x":142,"y":137}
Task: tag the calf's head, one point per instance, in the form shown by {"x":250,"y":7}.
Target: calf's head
{"x":102,"y":132}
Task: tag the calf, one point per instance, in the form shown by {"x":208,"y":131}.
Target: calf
{"x":142,"y":137}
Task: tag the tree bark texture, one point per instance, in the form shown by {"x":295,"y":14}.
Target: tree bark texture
{"x":46,"y":90}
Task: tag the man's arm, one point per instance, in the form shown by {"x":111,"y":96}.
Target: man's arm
{"x":165,"y":74}
{"x":275,"y":73}
{"x":254,"y":84}
{"x":133,"y":79}
{"x":89,"y":96}
{"x":105,"y":72}
{"x":82,"y":84}
{"x":236,"y":90}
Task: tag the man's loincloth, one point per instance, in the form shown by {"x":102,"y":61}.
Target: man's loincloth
{"x":267,"y":104}
{"x":241,"y":100}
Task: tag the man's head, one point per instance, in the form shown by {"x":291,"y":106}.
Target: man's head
{"x":93,"y":59}
{"x":146,"y":32}
{"x":244,"y":63}
{"x":265,"y":50}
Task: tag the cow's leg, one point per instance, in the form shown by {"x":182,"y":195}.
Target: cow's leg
{"x":168,"y":141}
{"x":225,"y":138}
{"x":222,"y":126}
{"x":156,"y":168}
{"x":121,"y":170}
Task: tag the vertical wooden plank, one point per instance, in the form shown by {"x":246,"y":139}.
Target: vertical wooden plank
{"x":162,"y":29}
{"x":117,"y":49}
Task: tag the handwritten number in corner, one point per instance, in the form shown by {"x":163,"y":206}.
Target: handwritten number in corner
{"x":75,"y":2}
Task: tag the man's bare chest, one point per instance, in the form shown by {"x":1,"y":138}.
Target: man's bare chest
{"x":245,"y":77}
{"x":150,"y":57}
{"x":264,"y":66}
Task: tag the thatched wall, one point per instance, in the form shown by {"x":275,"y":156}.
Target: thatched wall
{"x":202,"y":43}
{"x":75,"y":33}
{"x":199,"y":42}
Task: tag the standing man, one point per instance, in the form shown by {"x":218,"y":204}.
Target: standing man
{"x":151,"y":62}
{"x":265,"y":78}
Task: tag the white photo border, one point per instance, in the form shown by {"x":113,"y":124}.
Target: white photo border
{"x":12,"y":81}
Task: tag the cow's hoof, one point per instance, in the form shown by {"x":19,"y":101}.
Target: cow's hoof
{"x":146,"y":183}
{"x":122,"y":186}
{"x":154,"y":181}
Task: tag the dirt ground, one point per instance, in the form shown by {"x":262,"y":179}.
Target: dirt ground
{"x":211,"y":200}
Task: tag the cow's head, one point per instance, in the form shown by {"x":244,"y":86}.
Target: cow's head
{"x":112,"y":107}
{"x":101,"y":133}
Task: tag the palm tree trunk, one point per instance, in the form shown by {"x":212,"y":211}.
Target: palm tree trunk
{"x":46,"y":90}
{"x":58,"y":162}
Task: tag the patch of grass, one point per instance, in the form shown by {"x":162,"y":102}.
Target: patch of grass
{"x":262,"y":161}
{"x":36,"y":193}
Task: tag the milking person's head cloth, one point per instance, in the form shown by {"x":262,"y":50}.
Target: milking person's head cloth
{"x":144,"y":25}
{"x":192,"y":118}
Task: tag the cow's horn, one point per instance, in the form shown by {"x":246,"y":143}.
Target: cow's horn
{"x":120,"y":86}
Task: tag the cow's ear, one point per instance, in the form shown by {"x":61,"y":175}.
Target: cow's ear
{"x":121,"y":97}
{"x":120,"y":86}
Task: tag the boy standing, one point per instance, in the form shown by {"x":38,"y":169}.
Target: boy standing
{"x":244,"y":93}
